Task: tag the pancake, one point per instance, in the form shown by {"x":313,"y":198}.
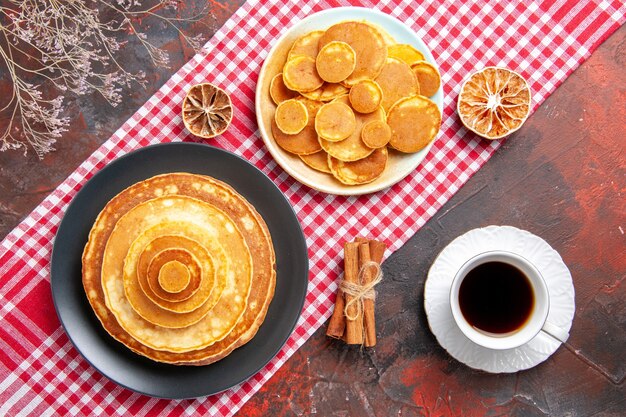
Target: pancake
{"x":279,"y":91}
{"x":306,"y":45}
{"x":244,"y":216}
{"x":148,"y":323}
{"x":318,"y":161}
{"x":352,"y":148}
{"x":362,"y":171}
{"x":166,"y":249}
{"x":396,"y":80}
{"x":144,"y":257}
{"x":414,"y":123}
{"x":366,"y":41}
{"x":327,"y":92}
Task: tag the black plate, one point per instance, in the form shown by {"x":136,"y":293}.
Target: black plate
{"x":113,"y":359}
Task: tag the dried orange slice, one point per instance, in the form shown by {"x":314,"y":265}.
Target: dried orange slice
{"x":366,"y":96}
{"x":362,"y":171}
{"x":306,"y":45}
{"x":291,"y":116}
{"x":494,"y":102}
{"x":327,"y":92}
{"x":279,"y":91}
{"x":397,"y":81}
{"x":366,"y":41}
{"x":414,"y":123}
{"x":300,"y":74}
{"x":335,"y":121}
{"x":405,"y":52}
{"x":376,"y":133}
{"x":207,"y":110}
{"x":428,"y":78}
{"x":335,"y":61}
{"x":318,"y":161}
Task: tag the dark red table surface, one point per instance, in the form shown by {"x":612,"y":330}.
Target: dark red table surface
{"x":562,"y":177}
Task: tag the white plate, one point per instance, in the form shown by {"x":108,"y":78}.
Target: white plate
{"x":521,"y":242}
{"x":399,"y":165}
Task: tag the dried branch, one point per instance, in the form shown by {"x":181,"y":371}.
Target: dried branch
{"x":69,"y":46}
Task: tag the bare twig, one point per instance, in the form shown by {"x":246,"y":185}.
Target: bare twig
{"x":68,"y":46}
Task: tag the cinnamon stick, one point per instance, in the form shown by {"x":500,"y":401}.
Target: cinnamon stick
{"x":375,"y":252}
{"x":369,"y":322}
{"x":354,"y":328}
{"x":337,"y":323}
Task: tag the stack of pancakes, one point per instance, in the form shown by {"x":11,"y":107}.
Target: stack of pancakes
{"x":180,"y":268}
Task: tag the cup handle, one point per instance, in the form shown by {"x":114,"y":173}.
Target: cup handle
{"x":555,"y":331}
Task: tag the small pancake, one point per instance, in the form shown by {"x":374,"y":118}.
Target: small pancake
{"x":327,"y":92}
{"x":335,"y":121}
{"x":173,"y":276}
{"x":279,"y":91}
{"x":318,"y":161}
{"x":291,"y":116}
{"x":306,"y":45}
{"x":300,"y":74}
{"x":405,"y":52}
{"x":303,"y":143}
{"x":156,"y":241}
{"x":376,"y":133}
{"x":414,"y":123}
{"x":368,"y":44}
{"x":335,"y":61}
{"x":397,"y":81}
{"x":248,"y":221}
{"x":428,"y":78}
{"x":362,"y":171}
{"x":352,"y":148}
{"x":366,"y":96}
{"x":312,"y":107}
{"x":150,"y":277}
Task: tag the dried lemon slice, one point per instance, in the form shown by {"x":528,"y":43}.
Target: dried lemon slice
{"x":318,"y":161}
{"x":207,"y":110}
{"x":494,"y":102}
{"x":428,"y":78}
{"x":405,"y":52}
{"x":291,"y":116}
{"x":279,"y":91}
{"x":335,"y":121}
{"x":397,"y":81}
{"x":414,"y":123}
{"x":335,"y":61}
{"x":376,"y":134}
{"x":300,"y":74}
{"x":366,"y":96}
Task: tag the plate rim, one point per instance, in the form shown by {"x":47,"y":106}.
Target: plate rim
{"x":54,"y":254}
{"x":277,"y":154}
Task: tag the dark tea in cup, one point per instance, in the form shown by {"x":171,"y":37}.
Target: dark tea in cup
{"x":496,"y":297}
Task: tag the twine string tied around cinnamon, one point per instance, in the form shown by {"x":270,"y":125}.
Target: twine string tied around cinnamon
{"x":361,"y":291}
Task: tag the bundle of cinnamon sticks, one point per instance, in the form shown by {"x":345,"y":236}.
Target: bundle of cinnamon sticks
{"x":353,"y":319}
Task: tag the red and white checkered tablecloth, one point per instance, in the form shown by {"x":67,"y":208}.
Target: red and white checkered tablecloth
{"x":40,"y":371}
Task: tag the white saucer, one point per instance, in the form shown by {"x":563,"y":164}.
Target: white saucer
{"x":460,"y":250}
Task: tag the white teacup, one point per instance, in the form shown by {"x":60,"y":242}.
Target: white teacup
{"x":537,"y":319}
